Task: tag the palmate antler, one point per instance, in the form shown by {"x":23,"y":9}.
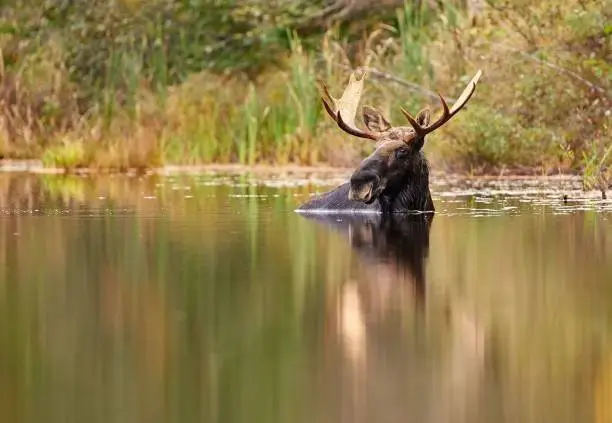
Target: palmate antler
{"x":446,"y":114}
{"x":344,"y":109}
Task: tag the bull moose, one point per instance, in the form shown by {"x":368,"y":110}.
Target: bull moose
{"x":395,"y":177}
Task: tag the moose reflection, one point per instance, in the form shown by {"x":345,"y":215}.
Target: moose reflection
{"x":392,"y":249}
{"x":381,"y":328}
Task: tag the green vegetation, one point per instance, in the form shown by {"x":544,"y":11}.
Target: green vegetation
{"x":135,"y":84}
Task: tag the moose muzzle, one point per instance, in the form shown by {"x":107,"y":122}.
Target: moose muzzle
{"x":365,"y":187}
{"x":362,"y":193}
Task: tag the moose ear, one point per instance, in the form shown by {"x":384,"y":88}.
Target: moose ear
{"x":422,"y":117}
{"x":374,"y":120}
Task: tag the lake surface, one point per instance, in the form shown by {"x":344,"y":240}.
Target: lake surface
{"x":207,"y":298}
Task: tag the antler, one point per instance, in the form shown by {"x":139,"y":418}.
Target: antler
{"x":344,"y":110}
{"x":446,"y":114}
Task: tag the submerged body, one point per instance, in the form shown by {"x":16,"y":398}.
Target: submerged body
{"x":408,"y":193}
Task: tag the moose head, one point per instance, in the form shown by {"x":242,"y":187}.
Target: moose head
{"x":395,"y":177}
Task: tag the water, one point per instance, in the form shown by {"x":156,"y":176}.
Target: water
{"x":206,"y":298}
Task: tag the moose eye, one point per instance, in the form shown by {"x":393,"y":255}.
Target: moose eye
{"x":401,"y":153}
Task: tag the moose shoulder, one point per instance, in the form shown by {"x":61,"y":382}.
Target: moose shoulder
{"x":395,"y":177}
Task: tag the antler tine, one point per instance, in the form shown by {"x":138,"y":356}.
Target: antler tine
{"x":329,"y":109}
{"x":418,"y":129}
{"x":353,"y":130}
{"x":325,"y":99}
{"x":446,"y":113}
{"x":344,"y":109}
{"x":466,"y":94}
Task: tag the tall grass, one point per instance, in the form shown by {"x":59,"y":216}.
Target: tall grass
{"x":412,"y":24}
{"x":273,"y":118}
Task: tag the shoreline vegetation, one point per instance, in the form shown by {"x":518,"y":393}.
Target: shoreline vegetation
{"x":35,"y":166}
{"x":131,"y":86}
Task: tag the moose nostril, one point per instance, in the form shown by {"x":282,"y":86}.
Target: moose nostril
{"x":361,"y":192}
{"x":363,"y":186}
{"x":364,"y":178}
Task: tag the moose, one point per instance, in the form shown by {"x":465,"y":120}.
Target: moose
{"x":395,"y":177}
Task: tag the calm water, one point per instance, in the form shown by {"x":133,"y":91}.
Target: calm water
{"x":206,"y":298}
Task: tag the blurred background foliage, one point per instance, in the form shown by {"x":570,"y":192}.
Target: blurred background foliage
{"x":131,"y":83}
